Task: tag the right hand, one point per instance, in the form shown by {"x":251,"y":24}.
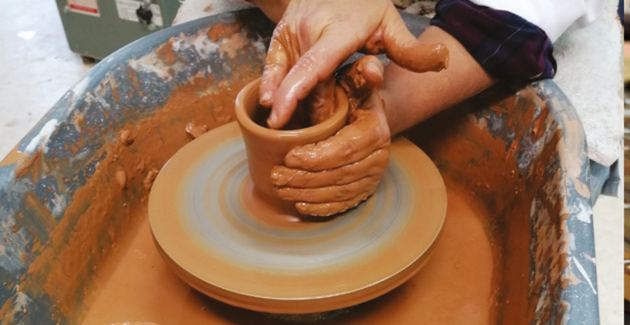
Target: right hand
{"x":336,"y":174}
{"x":314,"y":37}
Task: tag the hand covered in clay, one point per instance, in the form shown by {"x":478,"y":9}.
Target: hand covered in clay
{"x":338,"y":173}
{"x":314,"y":37}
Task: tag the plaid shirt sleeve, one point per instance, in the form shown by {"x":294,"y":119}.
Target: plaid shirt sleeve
{"x":506,"y":45}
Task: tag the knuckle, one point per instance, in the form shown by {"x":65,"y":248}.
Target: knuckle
{"x":344,"y":173}
{"x":345,"y":147}
{"x":306,"y":62}
{"x":346,"y":191}
{"x":277,"y":176}
{"x":304,"y":29}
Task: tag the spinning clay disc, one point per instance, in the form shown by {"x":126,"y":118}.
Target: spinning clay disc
{"x":226,"y":241}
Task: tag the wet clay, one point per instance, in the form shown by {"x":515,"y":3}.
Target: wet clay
{"x":134,"y":323}
{"x":297,"y":121}
{"x":455,"y":287}
{"x":269,"y":209}
{"x":195,"y":131}
{"x":267,"y":148}
{"x":519,"y":183}
{"x":319,"y":103}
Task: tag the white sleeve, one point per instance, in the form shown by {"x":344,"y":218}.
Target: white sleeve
{"x":552,"y":16}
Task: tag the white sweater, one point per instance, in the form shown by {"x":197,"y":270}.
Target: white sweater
{"x":553,"y":16}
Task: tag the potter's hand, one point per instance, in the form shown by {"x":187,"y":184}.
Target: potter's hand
{"x":338,"y":173}
{"x":314,"y":37}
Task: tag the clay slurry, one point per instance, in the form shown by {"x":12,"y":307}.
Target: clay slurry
{"x":298,"y":121}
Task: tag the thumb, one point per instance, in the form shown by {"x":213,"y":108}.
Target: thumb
{"x":360,"y":78}
{"x":405,"y":50}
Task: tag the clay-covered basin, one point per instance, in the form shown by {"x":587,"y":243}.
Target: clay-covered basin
{"x":517,"y":245}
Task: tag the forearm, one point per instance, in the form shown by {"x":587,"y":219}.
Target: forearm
{"x":411,"y":98}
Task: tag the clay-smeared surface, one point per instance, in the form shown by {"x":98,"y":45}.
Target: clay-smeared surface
{"x":511,"y":164}
{"x":109,"y":162}
{"x":455,"y":287}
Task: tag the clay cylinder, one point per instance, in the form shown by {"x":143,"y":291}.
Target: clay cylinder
{"x":266,"y":147}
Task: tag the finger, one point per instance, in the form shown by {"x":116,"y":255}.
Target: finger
{"x":360,"y":79}
{"x":330,"y":208}
{"x":372,"y":165}
{"x":276,"y":67}
{"x":405,"y":50}
{"x":336,"y":193}
{"x":366,"y":134}
{"x":316,"y":65}
{"x":320,"y":103}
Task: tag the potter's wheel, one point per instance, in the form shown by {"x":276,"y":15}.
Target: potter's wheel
{"x":230,"y":244}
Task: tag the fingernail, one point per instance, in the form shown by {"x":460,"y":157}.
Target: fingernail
{"x":272,"y":120}
{"x":372,"y":67}
{"x":266,"y":97}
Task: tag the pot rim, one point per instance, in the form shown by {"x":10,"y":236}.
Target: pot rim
{"x":246,"y":122}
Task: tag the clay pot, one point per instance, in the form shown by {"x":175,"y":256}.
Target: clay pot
{"x":266,"y":147}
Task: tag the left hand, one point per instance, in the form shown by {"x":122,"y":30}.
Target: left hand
{"x":314,"y":37}
{"x":338,"y":173}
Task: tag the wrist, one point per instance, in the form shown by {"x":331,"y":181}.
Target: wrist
{"x":391,"y":99}
{"x":386,"y":103}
